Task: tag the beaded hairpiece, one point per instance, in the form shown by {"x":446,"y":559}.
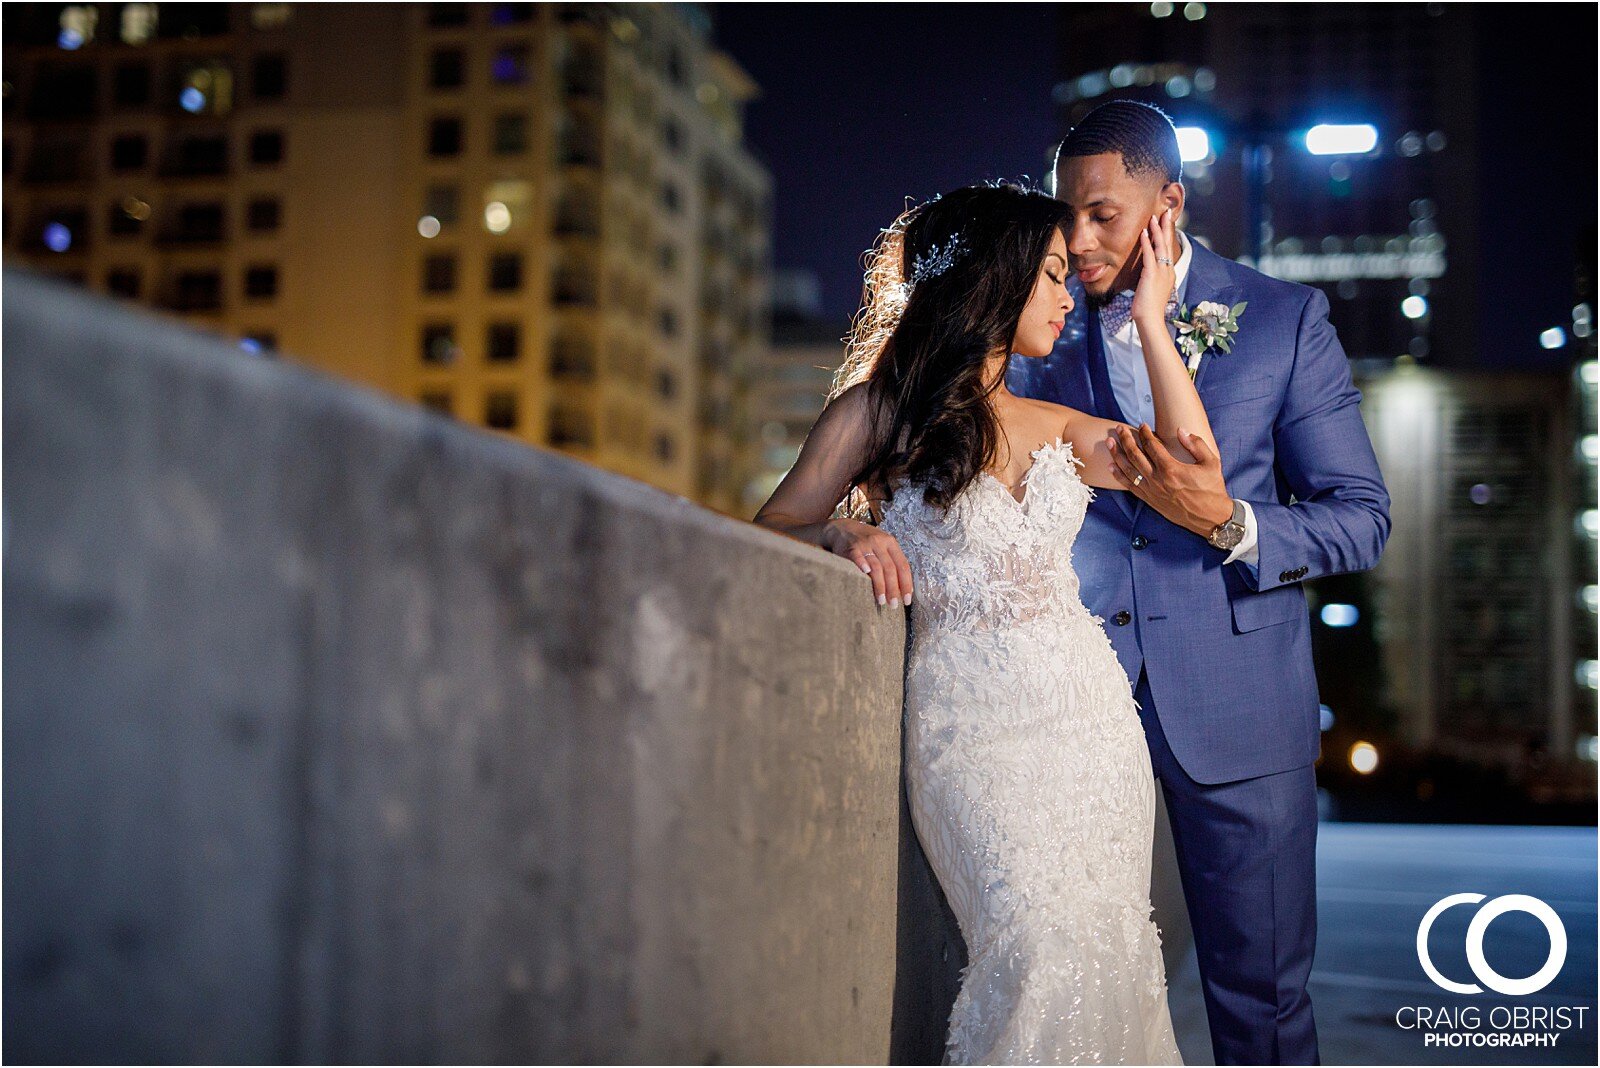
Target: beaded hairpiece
{"x":937,"y":259}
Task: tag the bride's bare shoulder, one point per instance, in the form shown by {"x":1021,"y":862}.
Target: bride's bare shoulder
{"x":1053,"y":417}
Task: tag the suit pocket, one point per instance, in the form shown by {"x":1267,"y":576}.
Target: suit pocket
{"x":1236,"y":392}
{"x":1252,"y":611}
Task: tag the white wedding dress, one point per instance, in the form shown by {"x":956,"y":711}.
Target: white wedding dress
{"x":1029,"y":780}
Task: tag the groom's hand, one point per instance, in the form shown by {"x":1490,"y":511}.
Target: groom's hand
{"x":1194,"y":496}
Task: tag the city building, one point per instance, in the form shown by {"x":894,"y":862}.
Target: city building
{"x":1471,"y":600}
{"x":537,"y":218}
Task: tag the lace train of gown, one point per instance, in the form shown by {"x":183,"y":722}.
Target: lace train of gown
{"x":1029,"y":779}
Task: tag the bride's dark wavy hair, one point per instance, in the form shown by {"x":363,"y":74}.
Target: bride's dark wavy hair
{"x":923,"y":356}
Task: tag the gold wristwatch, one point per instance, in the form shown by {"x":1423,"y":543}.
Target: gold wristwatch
{"x":1228,"y":534}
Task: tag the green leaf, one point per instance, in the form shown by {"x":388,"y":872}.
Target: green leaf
{"x":1224,"y":344}
{"x":1238,"y":309}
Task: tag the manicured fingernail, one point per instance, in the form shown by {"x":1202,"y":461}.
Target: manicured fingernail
{"x":894,"y":602}
{"x":882,"y":599}
{"x":866,"y":568}
{"x":908,"y":598}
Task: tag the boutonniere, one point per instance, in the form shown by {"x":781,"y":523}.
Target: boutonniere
{"x":1209,"y":326}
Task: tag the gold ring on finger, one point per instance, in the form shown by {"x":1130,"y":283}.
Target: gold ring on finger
{"x":1137,"y":479}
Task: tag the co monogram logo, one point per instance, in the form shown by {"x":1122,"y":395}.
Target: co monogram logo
{"x":1475,"y":931}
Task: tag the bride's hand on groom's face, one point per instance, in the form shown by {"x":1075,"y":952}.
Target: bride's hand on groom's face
{"x":1192,"y":495}
{"x":1157,"y":276}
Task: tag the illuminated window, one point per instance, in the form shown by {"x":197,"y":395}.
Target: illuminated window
{"x":509,"y":205}
{"x":206,"y":88}
{"x":77,"y":24}
{"x":138,"y":23}
{"x":269,"y":16}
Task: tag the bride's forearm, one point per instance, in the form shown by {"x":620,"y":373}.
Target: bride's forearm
{"x":1177,"y":405}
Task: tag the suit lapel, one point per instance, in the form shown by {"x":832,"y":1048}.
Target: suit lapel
{"x":1208,"y":280}
{"x":1105,"y":398}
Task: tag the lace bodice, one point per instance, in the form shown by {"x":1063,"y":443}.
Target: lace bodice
{"x":1029,"y":781}
{"x":990,"y":561}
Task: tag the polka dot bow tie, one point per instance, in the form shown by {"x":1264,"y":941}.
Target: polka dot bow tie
{"x":1116,"y":315}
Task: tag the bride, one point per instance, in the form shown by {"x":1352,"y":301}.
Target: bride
{"x":1027,"y":769}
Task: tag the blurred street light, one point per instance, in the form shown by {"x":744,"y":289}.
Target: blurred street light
{"x":1194,"y":144}
{"x":1327,"y":139}
{"x":1256,"y":138}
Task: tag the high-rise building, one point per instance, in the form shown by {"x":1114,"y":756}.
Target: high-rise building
{"x":538,"y":218}
{"x":1472,"y":597}
{"x":1389,"y":231}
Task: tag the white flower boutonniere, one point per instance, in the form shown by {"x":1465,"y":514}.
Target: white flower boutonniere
{"x":1209,"y":326}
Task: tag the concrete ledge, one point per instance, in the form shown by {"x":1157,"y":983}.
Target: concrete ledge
{"x":336,"y":731}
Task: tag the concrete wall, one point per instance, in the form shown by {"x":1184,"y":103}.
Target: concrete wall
{"x":335,"y":731}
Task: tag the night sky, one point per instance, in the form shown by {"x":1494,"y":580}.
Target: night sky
{"x":865,"y":104}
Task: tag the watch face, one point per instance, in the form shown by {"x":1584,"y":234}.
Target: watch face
{"x":1228,"y":535}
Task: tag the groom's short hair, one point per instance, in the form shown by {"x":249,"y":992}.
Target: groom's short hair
{"x":1140,"y":133}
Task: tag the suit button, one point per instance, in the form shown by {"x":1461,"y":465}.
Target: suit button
{"x":1122,"y":619}
{"x":1140,"y":541}
{"x":1286,"y":576}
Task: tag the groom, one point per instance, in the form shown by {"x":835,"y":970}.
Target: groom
{"x":1197,"y":568}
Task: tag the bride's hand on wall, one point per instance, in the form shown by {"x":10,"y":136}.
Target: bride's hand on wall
{"x":875,"y":553}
